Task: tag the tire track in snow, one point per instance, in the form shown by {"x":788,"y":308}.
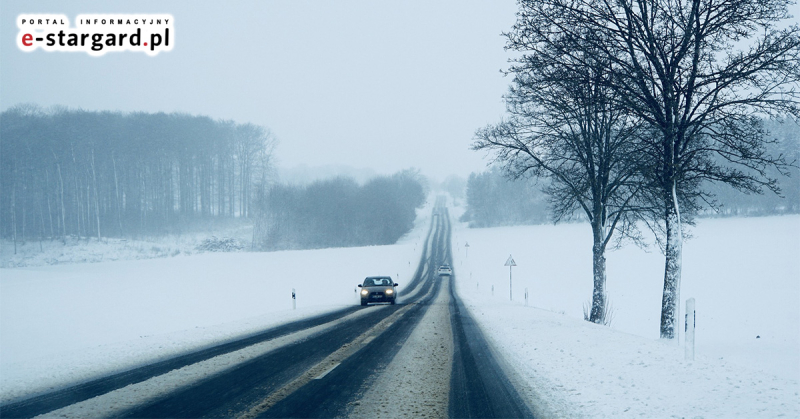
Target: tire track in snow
{"x":419,"y":375}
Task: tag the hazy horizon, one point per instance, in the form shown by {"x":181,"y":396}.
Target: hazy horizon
{"x":372,"y":86}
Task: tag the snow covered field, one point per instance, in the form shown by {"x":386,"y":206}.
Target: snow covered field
{"x":93,"y":250}
{"x":743,"y":272}
{"x":61,"y":324}
{"x":68,"y":323}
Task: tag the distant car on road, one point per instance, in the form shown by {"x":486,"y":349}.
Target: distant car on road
{"x":445,"y":270}
{"x":378,"y":289}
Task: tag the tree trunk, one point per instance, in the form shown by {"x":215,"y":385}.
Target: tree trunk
{"x":88,"y":208}
{"x":96,"y":198}
{"x":41,"y":226}
{"x":49,"y":208}
{"x":24,"y":211}
{"x":116,"y":189}
{"x":14,"y":210}
{"x":599,"y":270}
{"x":63,"y":209}
{"x":670,"y":302}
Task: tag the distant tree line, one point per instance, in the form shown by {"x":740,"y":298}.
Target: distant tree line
{"x":94,"y":174}
{"x":494,"y":200}
{"x":727,"y":201}
{"x":339,"y":212}
{"x":456,"y":187}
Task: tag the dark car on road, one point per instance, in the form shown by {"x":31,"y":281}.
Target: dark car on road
{"x":445,"y":270}
{"x":378,"y":289}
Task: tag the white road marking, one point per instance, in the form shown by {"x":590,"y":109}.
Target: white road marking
{"x":338,"y":356}
{"x":319,"y":377}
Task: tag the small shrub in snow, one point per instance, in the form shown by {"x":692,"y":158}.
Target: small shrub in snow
{"x":213,"y":244}
{"x":608,"y":313}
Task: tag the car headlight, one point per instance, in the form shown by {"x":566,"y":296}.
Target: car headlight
{"x":364,"y":292}
{"x":389,"y":291}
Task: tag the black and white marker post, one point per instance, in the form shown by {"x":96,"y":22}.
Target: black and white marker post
{"x":294,"y":300}
{"x":689,"y":329}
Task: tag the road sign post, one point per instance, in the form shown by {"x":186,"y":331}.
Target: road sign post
{"x":510,"y":262}
{"x":689,"y":326}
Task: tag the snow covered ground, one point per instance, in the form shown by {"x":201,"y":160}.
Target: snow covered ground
{"x":744,"y":274}
{"x":66,"y":323}
{"x":93,"y":250}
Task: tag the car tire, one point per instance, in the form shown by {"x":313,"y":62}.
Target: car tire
{"x":363,"y":303}
{"x":393,"y":300}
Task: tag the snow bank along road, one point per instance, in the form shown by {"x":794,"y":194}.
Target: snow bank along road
{"x":424,"y":357}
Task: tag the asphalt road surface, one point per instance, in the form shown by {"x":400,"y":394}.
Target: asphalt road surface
{"x":423,"y":357}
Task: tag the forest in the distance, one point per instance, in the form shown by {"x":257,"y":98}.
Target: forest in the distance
{"x":339,"y":212}
{"x":74,"y":173}
{"x":492,"y":199}
{"x":108,"y":174}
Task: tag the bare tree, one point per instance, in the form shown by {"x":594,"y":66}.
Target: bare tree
{"x":676,"y":67}
{"x":254,"y":146}
{"x":565,"y":126}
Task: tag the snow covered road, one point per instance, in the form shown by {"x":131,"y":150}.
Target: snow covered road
{"x":387,"y":361}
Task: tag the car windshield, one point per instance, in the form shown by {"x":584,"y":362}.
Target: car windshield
{"x":377,"y":282}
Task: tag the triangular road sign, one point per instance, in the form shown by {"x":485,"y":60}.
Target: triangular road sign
{"x":510,"y":261}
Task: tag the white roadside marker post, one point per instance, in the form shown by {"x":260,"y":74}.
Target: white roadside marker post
{"x":510,"y":262}
{"x":526,"y":296}
{"x":689,"y":326}
{"x":294,"y":300}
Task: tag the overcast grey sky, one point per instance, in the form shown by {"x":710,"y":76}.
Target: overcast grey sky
{"x":369,"y":84}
